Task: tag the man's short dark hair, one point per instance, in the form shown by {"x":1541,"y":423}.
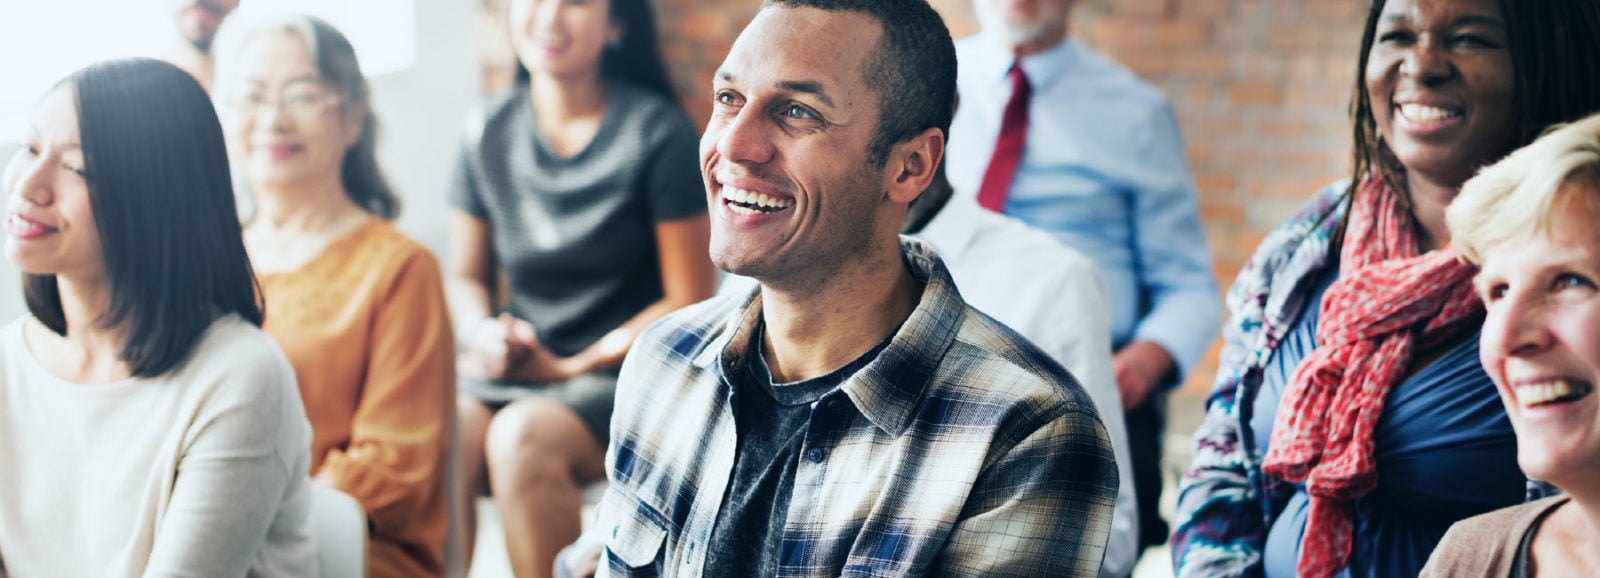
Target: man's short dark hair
{"x":162,"y":197}
{"x":913,"y":69}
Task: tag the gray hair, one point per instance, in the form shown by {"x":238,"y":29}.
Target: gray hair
{"x":335,"y":58}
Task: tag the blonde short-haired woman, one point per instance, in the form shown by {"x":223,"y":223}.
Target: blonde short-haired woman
{"x":1528,"y":221}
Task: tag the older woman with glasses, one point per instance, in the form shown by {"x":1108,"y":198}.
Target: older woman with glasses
{"x":357,"y":306}
{"x":1528,"y":222}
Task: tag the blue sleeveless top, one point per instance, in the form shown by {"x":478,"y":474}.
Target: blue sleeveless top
{"x":1444,"y":448}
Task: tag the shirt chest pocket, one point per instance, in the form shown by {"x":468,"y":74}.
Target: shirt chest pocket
{"x":635,"y":541}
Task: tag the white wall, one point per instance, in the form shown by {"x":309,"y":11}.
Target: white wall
{"x":11,"y":305}
{"x":423,"y":110}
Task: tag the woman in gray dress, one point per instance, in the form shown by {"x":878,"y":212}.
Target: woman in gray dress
{"x":581,"y":186}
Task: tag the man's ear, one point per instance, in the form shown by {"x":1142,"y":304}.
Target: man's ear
{"x":912,"y":165}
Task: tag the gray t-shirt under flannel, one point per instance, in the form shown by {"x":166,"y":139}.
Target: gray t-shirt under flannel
{"x":576,"y":235}
{"x":771,"y":420}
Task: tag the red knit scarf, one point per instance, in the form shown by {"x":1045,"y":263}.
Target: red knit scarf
{"x":1387,"y":302}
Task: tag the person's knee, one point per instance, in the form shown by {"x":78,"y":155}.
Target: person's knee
{"x":531,"y":441}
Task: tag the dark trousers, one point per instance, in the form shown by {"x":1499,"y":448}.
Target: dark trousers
{"x":1147,"y":425}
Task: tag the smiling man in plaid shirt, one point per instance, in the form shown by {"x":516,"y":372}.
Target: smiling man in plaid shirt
{"x":853,"y":416}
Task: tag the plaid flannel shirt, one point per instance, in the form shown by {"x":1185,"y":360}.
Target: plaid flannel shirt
{"x":962,"y":450}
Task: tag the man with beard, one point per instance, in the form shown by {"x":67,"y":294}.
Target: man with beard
{"x":852,"y":415}
{"x":197,"y":23}
{"x":1067,"y":141}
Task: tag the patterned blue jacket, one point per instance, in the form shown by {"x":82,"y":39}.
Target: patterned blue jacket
{"x":1223,"y":509}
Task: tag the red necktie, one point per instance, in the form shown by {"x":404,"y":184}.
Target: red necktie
{"x":1008,"y":148}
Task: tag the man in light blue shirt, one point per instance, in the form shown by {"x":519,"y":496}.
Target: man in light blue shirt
{"x":1103,"y":169}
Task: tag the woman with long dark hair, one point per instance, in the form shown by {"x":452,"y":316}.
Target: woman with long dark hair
{"x":356,"y":305}
{"x":581,"y":186}
{"x":147,"y":426}
{"x":1351,"y":422}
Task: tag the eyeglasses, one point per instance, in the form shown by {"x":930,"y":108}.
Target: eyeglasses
{"x":295,"y":103}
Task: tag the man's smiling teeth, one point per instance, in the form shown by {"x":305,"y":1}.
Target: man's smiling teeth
{"x":1559,"y":390}
{"x":744,"y":202}
{"x":1425,"y":113}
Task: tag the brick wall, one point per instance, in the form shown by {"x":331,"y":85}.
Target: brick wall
{"x":1261,"y":88}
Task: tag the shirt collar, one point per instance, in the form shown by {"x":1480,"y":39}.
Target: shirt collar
{"x":889,"y":389}
{"x":953,"y":228}
{"x":1043,"y":68}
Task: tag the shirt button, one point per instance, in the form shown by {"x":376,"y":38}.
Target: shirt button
{"x":831,"y":403}
{"x":814,"y":454}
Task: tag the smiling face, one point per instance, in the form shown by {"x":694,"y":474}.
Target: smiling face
{"x":561,"y":37}
{"x":785,"y":154}
{"x":50,"y":227}
{"x":284,"y":124}
{"x":1541,"y":341}
{"x":1440,"y":83}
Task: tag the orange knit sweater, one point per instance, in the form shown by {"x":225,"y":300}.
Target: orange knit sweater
{"x":365,"y":326}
